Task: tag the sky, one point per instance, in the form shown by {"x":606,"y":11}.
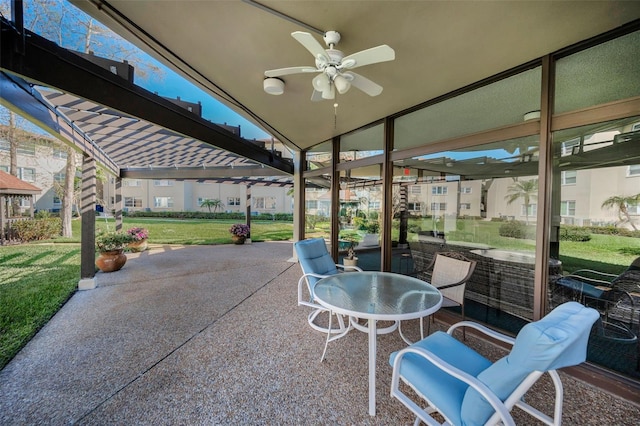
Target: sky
{"x":170,"y":85}
{"x":173,"y":85}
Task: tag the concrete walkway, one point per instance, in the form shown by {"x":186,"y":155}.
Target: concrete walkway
{"x":212,"y":335}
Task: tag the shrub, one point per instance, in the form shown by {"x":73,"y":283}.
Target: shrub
{"x":360,"y":223}
{"x":42,"y":214}
{"x":516,"y":229}
{"x":373,"y":227}
{"x":613,"y":230}
{"x":574,"y":233}
{"x":38,"y":229}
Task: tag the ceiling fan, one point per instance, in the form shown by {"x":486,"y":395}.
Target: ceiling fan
{"x":334,"y":68}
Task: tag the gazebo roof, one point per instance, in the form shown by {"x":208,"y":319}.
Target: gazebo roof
{"x":11,"y":185}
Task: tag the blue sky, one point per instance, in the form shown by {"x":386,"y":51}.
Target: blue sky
{"x":171,"y":85}
{"x":174,"y":85}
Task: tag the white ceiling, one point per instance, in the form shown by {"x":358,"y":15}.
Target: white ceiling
{"x":225,"y":47}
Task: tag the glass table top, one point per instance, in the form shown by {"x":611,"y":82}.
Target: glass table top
{"x":378,"y":295}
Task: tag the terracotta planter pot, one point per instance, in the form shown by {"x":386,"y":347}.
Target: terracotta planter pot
{"x":110,"y":261}
{"x":238,"y":239}
{"x":138,"y":246}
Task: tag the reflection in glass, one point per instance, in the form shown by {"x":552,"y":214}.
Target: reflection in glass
{"x":317,"y":217}
{"x":319,"y":156}
{"x":360,"y":212}
{"x":362,"y":143}
{"x":482,"y":202}
{"x":596,"y":212}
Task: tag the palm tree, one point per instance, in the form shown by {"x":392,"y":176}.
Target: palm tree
{"x":216,"y":204}
{"x":525,"y":189}
{"x":621,"y":203}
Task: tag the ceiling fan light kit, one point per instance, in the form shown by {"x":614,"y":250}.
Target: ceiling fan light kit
{"x":333,"y":67}
{"x":273,"y":86}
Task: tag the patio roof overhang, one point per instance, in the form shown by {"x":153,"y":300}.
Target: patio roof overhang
{"x":225,"y":48}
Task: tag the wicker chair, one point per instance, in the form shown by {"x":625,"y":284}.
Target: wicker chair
{"x":450,"y":272}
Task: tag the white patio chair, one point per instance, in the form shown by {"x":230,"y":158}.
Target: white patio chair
{"x":317,"y":263}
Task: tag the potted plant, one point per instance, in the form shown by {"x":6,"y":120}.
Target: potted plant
{"x":350,"y":259}
{"x":139,"y":239}
{"x":239,"y":232}
{"x":110,"y":246}
{"x":353,"y":238}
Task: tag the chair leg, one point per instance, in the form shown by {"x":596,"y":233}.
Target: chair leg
{"x":315,"y":313}
{"x":331,"y":338}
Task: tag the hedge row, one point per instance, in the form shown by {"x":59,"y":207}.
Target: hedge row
{"x":612,"y":230}
{"x":574,"y":233}
{"x":38,"y":229}
{"x":286,"y":217}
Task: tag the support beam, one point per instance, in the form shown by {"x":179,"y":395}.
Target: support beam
{"x":118,"y":204}
{"x":88,"y":215}
{"x":335,"y":197}
{"x":299,"y":217}
{"x":387,"y":204}
{"x":50,"y":65}
{"x":199,"y":172}
{"x":248,"y":212}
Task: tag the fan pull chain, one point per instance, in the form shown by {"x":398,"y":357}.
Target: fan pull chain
{"x":335,"y":116}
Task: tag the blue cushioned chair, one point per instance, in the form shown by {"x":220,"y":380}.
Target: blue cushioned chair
{"x":317,"y":263}
{"x":468,"y":389}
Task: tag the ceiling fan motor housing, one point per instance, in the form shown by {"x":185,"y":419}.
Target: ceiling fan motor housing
{"x":331,"y":38}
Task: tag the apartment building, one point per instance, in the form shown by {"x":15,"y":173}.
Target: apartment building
{"x":170,"y":195}
{"x":42,"y":161}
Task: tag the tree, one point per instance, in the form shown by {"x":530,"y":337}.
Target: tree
{"x":67,"y":193}
{"x":621,"y":203}
{"x":60,"y":21}
{"x":525,"y":189}
{"x":216,"y":204}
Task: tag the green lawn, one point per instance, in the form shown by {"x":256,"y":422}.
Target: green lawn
{"x":37,"y":279}
{"x":193,"y":231}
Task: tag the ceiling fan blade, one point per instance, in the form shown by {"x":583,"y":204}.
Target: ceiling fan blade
{"x":363,"y":83}
{"x":291,"y":70}
{"x":316,"y":96}
{"x":382,"y":53}
{"x":311,"y":44}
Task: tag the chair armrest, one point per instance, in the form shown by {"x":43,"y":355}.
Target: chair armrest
{"x":480,"y":387}
{"x":350,"y":268}
{"x":485,"y":330}
{"x":593,"y":277}
{"x":303,"y":280}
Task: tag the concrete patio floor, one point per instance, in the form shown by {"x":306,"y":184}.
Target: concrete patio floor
{"x":204,"y":335}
